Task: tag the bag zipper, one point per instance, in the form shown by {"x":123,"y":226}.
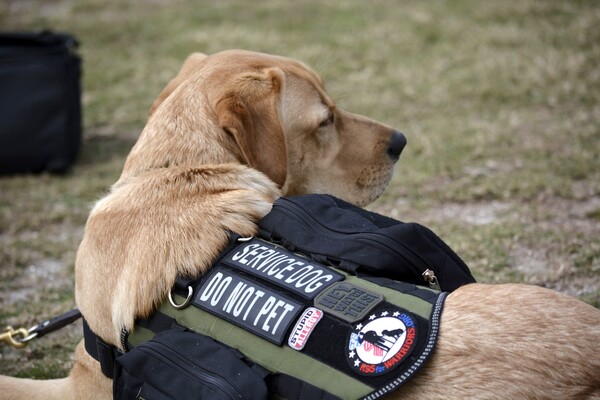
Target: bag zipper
{"x":380,"y":241}
{"x":202,"y":373}
{"x":441,"y":244}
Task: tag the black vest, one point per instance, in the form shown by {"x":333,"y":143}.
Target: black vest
{"x":348,"y":336}
{"x":329,"y":301}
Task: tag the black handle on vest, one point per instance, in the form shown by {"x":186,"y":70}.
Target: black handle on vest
{"x":294,"y":389}
{"x":100,"y":350}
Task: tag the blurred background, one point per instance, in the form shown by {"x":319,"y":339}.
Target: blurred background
{"x":499,"y":100}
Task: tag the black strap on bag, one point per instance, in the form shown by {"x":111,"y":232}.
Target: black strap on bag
{"x":288,"y":387}
{"x":103,"y":352}
{"x":40,"y":77}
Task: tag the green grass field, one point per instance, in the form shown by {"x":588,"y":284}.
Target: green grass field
{"x":499,"y":100}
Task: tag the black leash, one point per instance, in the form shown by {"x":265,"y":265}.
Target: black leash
{"x":19,"y":338}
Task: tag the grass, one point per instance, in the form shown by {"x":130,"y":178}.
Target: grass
{"x":499,"y":101}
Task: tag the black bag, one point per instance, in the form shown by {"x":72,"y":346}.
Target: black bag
{"x":40,"y":102}
{"x":361,"y":242}
{"x":178,"y":364}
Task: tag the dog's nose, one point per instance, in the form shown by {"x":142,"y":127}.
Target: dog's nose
{"x":397,"y":143}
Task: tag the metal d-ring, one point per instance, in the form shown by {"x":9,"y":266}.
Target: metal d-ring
{"x":185,"y":302}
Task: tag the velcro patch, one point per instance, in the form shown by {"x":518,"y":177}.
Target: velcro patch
{"x":348,"y":302}
{"x":304,"y":327}
{"x":247,"y":304}
{"x":282,"y":267}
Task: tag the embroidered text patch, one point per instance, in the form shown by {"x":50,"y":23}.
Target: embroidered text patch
{"x":347,"y":301}
{"x":281,"y":267}
{"x":247,"y":304}
{"x":304,"y":327}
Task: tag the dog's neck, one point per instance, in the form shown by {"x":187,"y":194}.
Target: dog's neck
{"x":178,"y":136}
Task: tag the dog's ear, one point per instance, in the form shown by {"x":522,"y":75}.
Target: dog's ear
{"x":248,"y":112}
{"x":189,"y":66}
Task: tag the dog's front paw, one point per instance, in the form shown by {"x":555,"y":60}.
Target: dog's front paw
{"x":251,"y":199}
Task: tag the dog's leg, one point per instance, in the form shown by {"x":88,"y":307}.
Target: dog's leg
{"x":21,"y":389}
{"x":155,"y":227}
{"x":514,"y":342}
{"x":84,"y":382}
{"x":86,"y":374}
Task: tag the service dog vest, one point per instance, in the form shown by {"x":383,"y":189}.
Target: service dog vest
{"x":352,"y":337}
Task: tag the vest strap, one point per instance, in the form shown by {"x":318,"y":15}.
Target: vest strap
{"x":101,"y":351}
{"x":292,"y":388}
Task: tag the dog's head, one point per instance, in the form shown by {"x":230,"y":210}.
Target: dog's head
{"x":272,"y":114}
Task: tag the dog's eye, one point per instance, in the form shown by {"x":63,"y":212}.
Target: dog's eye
{"x":328,"y":121}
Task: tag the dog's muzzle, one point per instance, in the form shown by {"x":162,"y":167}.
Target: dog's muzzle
{"x":397,"y":143}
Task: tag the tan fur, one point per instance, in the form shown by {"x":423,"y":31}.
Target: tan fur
{"x":228,"y":135}
{"x":512,"y":342}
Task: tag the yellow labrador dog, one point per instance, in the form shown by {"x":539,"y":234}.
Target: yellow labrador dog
{"x":227,"y":136}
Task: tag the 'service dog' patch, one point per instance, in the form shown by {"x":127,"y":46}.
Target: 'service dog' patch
{"x":247,"y":304}
{"x":277,"y":265}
